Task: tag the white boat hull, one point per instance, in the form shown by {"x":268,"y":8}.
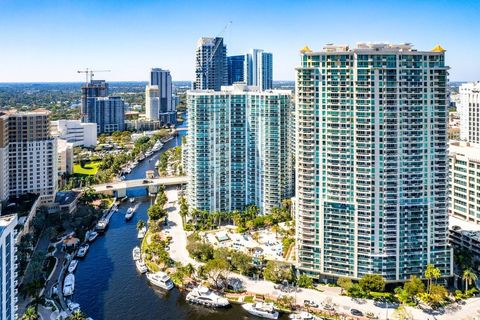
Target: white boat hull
{"x":258,"y":313}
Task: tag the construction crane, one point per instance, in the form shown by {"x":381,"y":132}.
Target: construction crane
{"x":212,"y":54}
{"x":90,"y":73}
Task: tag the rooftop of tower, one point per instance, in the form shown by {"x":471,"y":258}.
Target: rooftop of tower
{"x":369,"y":47}
{"x":239,"y":87}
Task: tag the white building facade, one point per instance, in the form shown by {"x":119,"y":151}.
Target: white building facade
{"x":469,"y":112}
{"x":464,"y":181}
{"x":8,"y":281}
{"x":371,"y":152}
{"x":76,"y":132}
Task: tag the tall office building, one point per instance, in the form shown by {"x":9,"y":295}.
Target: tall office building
{"x":108,"y":112}
{"x":469,"y":112}
{"x":237,"y":148}
{"x":211,"y":64}
{"x":8,"y":300}
{"x":259,"y":69}
{"x":32,"y":155}
{"x":159,"y":102}
{"x":371,"y":152}
{"x":235,"y":65}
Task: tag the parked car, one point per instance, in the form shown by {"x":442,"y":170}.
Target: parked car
{"x":356,"y":312}
{"x":310,"y":303}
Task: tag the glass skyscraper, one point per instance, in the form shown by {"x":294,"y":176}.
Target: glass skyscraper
{"x":235,"y":66}
{"x":371,"y":152}
{"x":211,"y":64}
{"x":107,"y":112}
{"x":237,"y":148}
{"x":258,"y":69}
{"x":159,"y":102}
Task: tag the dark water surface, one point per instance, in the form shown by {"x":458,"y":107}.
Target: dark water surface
{"x":108,"y":285}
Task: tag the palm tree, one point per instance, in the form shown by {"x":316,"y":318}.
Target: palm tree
{"x":30,"y":314}
{"x":189,"y":269}
{"x":470,"y":277}
{"x":432,"y":273}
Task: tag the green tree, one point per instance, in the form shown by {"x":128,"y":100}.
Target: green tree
{"x":241,"y":262}
{"x":431,"y":273}
{"x":77,"y":315}
{"x":469,"y":277}
{"x":345,"y":284}
{"x":305,"y":281}
{"x":216,"y":270}
{"x":411,"y":288}
{"x":140,"y":224}
{"x":372,"y":282}
{"x":30,"y":314}
{"x":356,"y":291}
{"x":278,"y":272}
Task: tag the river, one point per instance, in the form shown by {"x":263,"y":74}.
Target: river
{"x":108,"y":285}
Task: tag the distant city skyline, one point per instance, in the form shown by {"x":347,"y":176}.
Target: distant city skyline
{"x":48,"y":41}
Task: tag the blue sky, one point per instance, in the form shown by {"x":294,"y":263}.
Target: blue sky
{"x":48,"y":40}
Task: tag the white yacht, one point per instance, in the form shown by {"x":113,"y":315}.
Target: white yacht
{"x":73,"y":306}
{"x":72,"y":266}
{"x":204,"y":296}
{"x":141,"y":233}
{"x":141,"y":266}
{"x":132,"y":200}
{"x":160,"y":279}
{"x":69,"y":285}
{"x":82,"y":251}
{"x":129,"y":213}
{"x":261,"y":309}
{"x":303,"y":316}
{"x":92,"y":236}
{"x":136,"y":254}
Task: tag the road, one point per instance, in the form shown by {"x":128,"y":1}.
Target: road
{"x":178,"y":245}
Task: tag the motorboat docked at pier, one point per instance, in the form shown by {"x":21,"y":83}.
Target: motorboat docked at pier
{"x":72,"y":266}
{"x":82,"y":251}
{"x":157,"y":146}
{"x":160,"y":279}
{"x":136,"y":253}
{"x":141,"y":266}
{"x":69,"y":285}
{"x":204,"y":296}
{"x":142,"y":232}
{"x":261,"y":309}
{"x":101,"y":225}
{"x":92,"y":235}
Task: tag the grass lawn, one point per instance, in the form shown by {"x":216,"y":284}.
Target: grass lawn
{"x":89,"y":169}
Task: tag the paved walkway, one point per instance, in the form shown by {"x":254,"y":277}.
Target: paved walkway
{"x":178,"y":245}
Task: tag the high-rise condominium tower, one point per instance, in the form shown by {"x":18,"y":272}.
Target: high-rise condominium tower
{"x":8,"y":302}
{"x":371,"y":152}
{"x":469,"y":110}
{"x":237,"y":148}
{"x":97,"y":107}
{"x":259,"y":69}
{"x":159,"y":103}
{"x":211,"y":64}
{"x":29,"y":155}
